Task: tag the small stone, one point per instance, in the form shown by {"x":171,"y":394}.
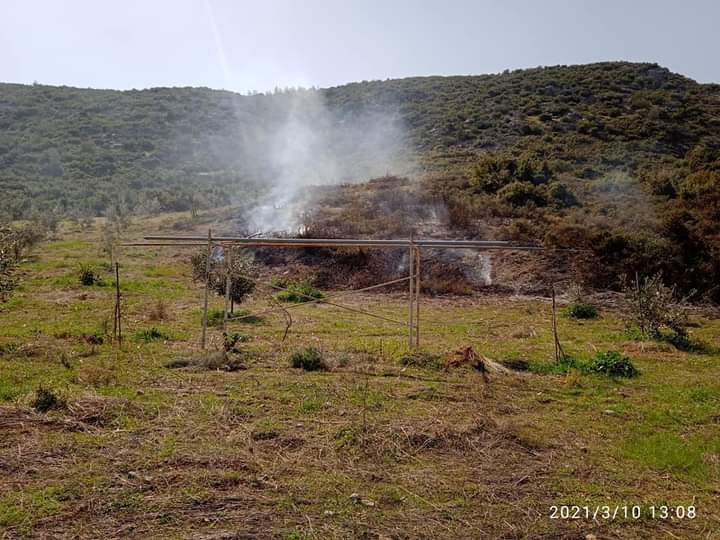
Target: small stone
{"x":354,"y":496}
{"x":367,"y":502}
{"x":608,"y":411}
{"x":328,"y":513}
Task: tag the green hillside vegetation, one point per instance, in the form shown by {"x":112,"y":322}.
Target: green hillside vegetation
{"x":620,"y":158}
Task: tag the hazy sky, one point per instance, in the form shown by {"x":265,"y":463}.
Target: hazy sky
{"x":259,"y":44}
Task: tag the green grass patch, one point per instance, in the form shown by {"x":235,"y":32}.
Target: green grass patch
{"x":297,"y":293}
{"x":150,"y":334}
{"x":8,"y":390}
{"x":610,"y":363}
{"x":669,"y":452}
{"x":21,"y":507}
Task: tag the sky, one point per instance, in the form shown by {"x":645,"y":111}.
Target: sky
{"x":262,"y":44}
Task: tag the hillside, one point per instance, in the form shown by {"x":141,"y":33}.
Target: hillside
{"x":100,"y":142}
{"x":620,"y":158}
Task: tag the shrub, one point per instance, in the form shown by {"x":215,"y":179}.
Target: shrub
{"x":240,"y":285}
{"x":580,"y":311}
{"x":522,"y":194}
{"x":612,"y":363}
{"x":422,"y":359}
{"x":656,"y":307}
{"x":309,"y":359}
{"x":150,"y":334}
{"x":298,"y":293}
{"x":88,"y":276}
{"x":230,"y":341}
{"x":45,"y":399}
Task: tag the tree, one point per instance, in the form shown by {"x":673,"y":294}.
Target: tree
{"x":240,"y":284}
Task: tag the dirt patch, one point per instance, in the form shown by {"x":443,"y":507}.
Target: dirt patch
{"x":102,"y":411}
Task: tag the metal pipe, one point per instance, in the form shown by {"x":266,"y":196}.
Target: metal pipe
{"x":417,"y":298}
{"x":411,"y":292}
{"x":207,"y":286}
{"x":228,"y":269}
{"x":350,"y":242}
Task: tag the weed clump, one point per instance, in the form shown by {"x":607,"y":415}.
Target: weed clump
{"x":610,"y":363}
{"x":230,"y":341}
{"x":45,"y":400}
{"x":150,"y":334}
{"x":580,"y":310}
{"x":613,"y":364}
{"x":215,"y":317}
{"x":309,"y":359}
{"x":88,"y":276}
{"x":297,"y":293}
{"x":422,"y":359}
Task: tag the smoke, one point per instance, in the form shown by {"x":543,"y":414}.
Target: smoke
{"x":311,"y":144}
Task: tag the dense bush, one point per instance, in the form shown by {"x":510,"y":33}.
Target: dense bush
{"x":88,"y":276}
{"x":309,"y":359}
{"x":612,"y":363}
{"x":45,"y":399}
{"x":240,"y":284}
{"x":580,"y":311}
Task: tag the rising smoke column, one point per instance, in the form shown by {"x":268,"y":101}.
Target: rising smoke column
{"x":313,"y":145}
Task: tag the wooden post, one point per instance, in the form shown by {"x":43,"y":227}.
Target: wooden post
{"x":228,"y":270}
{"x":417,"y":298}
{"x":118,"y":323}
{"x":207,"y":286}
{"x":411,"y":274}
{"x":559,"y":353}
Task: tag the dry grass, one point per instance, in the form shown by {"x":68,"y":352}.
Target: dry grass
{"x":370,"y":448}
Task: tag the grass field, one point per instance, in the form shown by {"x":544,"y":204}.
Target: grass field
{"x":367,"y":449}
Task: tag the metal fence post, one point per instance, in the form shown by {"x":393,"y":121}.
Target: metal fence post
{"x":207,"y":286}
{"x":411,"y":296}
{"x":228,"y":283}
{"x":417,"y":297}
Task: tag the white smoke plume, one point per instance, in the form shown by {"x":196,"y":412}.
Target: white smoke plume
{"x":312,"y":145}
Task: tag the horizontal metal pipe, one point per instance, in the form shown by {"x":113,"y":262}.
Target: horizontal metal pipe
{"x":349,"y":242}
{"x":161,"y":244}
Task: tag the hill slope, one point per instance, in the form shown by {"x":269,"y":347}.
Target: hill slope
{"x":59,"y":141}
{"x":618,"y":157}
